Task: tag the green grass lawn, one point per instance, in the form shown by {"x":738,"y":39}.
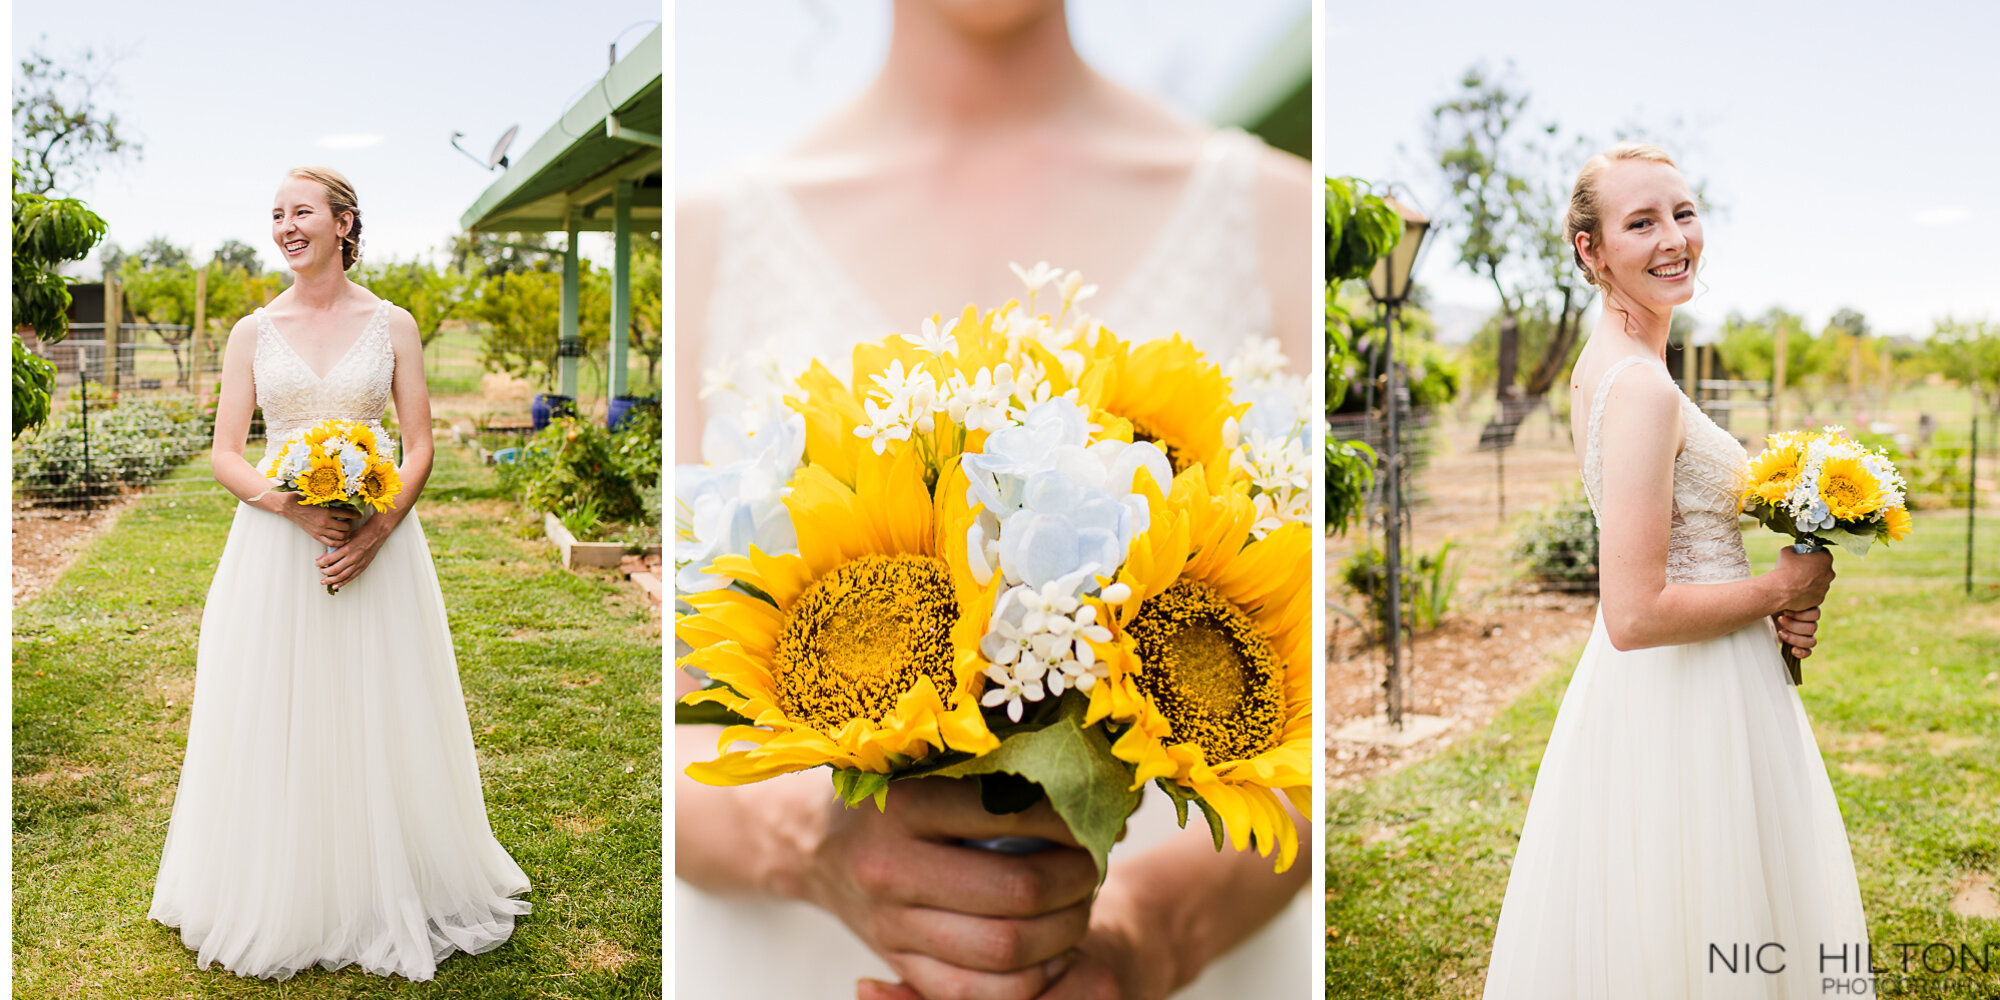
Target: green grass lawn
{"x":1904,"y":700}
{"x":562,"y":682}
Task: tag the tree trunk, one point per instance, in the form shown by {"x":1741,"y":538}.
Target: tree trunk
{"x":1510,"y":353}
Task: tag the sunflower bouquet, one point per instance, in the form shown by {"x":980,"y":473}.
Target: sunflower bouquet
{"x":335,"y":463}
{"x":1018,"y":548}
{"x":1825,"y":489}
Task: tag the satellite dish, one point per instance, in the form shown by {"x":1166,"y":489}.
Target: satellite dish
{"x":498,"y":158}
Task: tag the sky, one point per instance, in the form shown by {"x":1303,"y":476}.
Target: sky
{"x":1850,"y":147}
{"x":225,"y":97}
{"x":752,"y":75}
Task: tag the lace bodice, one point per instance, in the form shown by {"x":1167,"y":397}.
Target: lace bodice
{"x":1704,"y":545}
{"x":357,"y":387}
{"x":782,"y":300}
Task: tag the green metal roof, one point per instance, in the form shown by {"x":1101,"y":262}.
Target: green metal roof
{"x":576,"y":165}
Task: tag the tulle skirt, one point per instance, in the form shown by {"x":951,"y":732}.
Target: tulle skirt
{"x":329,"y":808}
{"x":1683,"y":839}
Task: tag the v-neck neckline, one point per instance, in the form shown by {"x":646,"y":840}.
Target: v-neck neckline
{"x":380,"y":304}
{"x":1213,"y":147}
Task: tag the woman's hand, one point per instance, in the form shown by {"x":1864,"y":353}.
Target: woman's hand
{"x":345,"y":562}
{"x":1796,"y":629}
{"x":954,"y":922}
{"x":1802,"y":579}
{"x":330,"y":526}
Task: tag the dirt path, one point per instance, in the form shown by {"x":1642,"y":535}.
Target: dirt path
{"x":48,"y":539}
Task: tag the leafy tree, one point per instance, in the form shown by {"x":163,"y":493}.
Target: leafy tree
{"x":520,"y":317}
{"x":47,"y":233}
{"x":488,"y":256}
{"x":432,"y":295}
{"x":159,"y":288}
{"x":1969,"y":354}
{"x":648,"y":309}
{"x":1509,"y":199}
{"x":61,"y":134}
{"x":240,"y":255}
{"x":1360,"y":228}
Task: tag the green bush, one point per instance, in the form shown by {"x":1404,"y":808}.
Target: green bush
{"x":131,"y":444}
{"x":1429,"y":584}
{"x":591,"y":478}
{"x":1560,"y":544}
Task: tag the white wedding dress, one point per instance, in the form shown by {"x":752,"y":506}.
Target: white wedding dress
{"x":1681,"y":803}
{"x":329,"y":808}
{"x":781,"y":299}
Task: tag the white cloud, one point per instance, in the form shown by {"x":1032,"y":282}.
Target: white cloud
{"x":349,"y":140}
{"x":1948,"y":216}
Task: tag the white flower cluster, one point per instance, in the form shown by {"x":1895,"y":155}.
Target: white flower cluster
{"x":1809,"y":510}
{"x":905,"y":402}
{"x":751,"y":385}
{"x":736,"y":498}
{"x":1269,"y":443}
{"x":1058,"y":513}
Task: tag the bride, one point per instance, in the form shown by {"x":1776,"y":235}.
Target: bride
{"x":985,"y":139}
{"x":1682,"y":819}
{"x":329,"y":809}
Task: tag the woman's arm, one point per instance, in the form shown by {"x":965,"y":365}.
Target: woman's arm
{"x":413,"y":420}
{"x":1641,"y":437}
{"x":1163,"y":916}
{"x":232,"y":428}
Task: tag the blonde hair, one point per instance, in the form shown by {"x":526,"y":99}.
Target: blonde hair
{"x":339,"y":199}
{"x":1585,"y":214}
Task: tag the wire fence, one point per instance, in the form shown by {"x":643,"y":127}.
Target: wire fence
{"x":124,"y":417}
{"x":1494,"y":517}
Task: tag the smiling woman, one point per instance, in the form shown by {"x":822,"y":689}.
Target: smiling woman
{"x":329,"y":808}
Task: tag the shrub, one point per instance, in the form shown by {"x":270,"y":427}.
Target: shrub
{"x":1429,"y":583}
{"x":1560,"y":544}
{"x":131,"y":444}
{"x":589,"y":477}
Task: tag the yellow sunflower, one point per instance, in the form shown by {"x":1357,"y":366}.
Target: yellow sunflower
{"x":1774,"y":473}
{"x":1849,"y":489}
{"x":1897,"y":520}
{"x":853,"y":652}
{"x":322,"y":482}
{"x":1217,"y":679}
{"x":1170,"y":394}
{"x":381,"y":484}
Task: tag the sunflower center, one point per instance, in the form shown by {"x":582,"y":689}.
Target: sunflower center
{"x":861,"y":635}
{"x":1175,"y":460}
{"x":1210,"y":671}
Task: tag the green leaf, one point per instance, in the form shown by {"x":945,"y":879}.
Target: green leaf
{"x":1181,"y":797}
{"x":855,"y":786}
{"x":1090,"y":789}
{"x":706,"y":714}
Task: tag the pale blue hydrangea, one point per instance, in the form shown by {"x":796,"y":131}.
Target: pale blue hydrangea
{"x":735,"y":500}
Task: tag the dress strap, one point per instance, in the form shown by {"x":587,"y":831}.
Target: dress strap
{"x":1593,"y":451}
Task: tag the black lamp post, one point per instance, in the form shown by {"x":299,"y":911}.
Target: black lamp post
{"x":1389,"y":286}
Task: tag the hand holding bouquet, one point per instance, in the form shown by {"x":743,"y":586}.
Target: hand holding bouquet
{"x":1825,"y":489}
{"x":335,"y":463}
{"x":1017,"y":548}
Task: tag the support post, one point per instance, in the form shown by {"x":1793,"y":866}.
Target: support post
{"x":1971,"y":497}
{"x":621,"y":285}
{"x":570,"y":346}
{"x":1393,"y":529}
{"x":114,"y":310}
{"x":1778,"y":382}
{"x":195,"y":338}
